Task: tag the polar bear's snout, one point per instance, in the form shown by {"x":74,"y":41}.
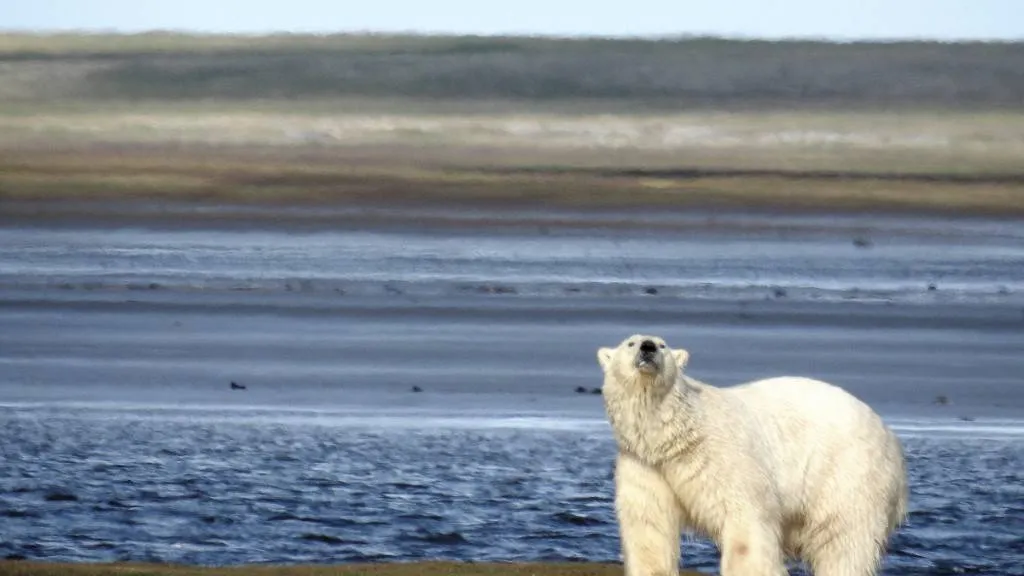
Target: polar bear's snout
{"x":648,"y":357}
{"x":643,"y":356}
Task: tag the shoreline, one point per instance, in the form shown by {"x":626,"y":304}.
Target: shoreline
{"x":306,"y":350}
{"x":535,"y":215}
{"x":400,"y":203}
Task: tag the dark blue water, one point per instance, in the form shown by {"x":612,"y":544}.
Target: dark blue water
{"x":229,"y":486}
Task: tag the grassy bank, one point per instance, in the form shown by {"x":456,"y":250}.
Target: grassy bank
{"x":19,"y":568}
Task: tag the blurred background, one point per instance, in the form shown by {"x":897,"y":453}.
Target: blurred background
{"x":276,"y":278}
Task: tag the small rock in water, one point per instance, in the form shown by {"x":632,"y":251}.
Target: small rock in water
{"x":932,"y":287}
{"x":417,"y":389}
{"x":237,"y":386}
{"x":941,"y":400}
{"x":862,"y":242}
{"x":779,"y":293}
{"x":581,"y":390}
{"x":650,"y":290}
{"x":595,"y":391}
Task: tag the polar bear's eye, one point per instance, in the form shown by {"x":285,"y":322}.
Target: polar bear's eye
{"x":631,"y":344}
{"x":662,"y":346}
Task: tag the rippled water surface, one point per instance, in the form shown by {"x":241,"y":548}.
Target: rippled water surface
{"x":196,"y":486}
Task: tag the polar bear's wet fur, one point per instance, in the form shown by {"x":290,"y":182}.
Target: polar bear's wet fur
{"x":777,"y":469}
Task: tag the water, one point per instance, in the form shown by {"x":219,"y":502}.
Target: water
{"x":217,"y":485}
{"x":120,"y":439}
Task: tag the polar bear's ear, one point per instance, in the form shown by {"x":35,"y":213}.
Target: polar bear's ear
{"x":682,"y":357}
{"x":604,"y":357}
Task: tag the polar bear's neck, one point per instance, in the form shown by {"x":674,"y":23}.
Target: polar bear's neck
{"x":651,"y":420}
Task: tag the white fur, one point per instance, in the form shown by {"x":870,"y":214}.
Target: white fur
{"x":774,"y":469}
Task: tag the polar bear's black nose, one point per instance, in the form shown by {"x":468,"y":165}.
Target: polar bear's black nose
{"x":648,"y":346}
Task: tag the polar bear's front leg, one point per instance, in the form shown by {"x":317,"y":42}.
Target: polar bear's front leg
{"x":648,"y":515}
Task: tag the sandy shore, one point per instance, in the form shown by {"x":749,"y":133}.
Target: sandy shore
{"x":468,"y":352}
{"x":98,"y":179}
{"x":122,"y":301}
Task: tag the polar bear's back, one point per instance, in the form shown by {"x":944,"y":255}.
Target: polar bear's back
{"x":812,"y":418}
{"x":796,"y":402}
{"x":829,"y":448}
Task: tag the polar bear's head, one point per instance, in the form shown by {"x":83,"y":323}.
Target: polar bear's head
{"x":642,"y":358}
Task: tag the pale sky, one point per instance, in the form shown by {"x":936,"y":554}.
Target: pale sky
{"x":836,"y":19}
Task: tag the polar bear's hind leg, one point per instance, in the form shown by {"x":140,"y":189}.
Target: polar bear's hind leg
{"x":853,"y":555}
{"x":850,"y":545}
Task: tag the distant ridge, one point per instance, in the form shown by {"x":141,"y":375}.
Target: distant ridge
{"x":665,"y":72}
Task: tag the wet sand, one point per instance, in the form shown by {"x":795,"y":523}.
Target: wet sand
{"x":488,"y":352}
{"x":490,"y":348}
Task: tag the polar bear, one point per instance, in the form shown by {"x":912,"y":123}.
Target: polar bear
{"x":777,"y":469}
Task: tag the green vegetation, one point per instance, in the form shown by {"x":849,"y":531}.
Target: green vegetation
{"x":18,"y":568}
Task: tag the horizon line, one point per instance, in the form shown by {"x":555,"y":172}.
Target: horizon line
{"x":665,"y":37}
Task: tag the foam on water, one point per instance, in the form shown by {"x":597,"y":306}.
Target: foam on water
{"x":988,"y":428}
{"x":366,"y":416}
